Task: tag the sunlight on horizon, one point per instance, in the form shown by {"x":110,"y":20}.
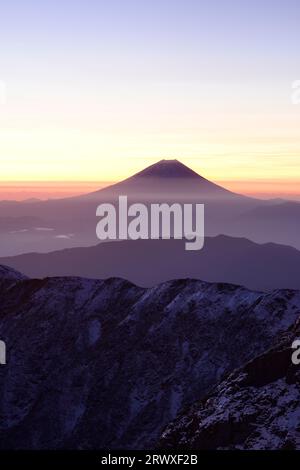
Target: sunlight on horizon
{"x":102,"y":92}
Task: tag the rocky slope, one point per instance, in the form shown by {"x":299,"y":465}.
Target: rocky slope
{"x":94,"y":364}
{"x":256,"y":407}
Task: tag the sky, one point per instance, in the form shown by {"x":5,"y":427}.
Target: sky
{"x":93,"y":91}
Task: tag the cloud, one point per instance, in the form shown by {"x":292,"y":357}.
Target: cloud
{"x":65,"y":237}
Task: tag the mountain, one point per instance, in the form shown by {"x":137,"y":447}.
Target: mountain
{"x":106,"y":364}
{"x":9,"y":274}
{"x":279,"y":222}
{"x":166,"y":180}
{"x":148,"y":262}
{"x":73,"y":220}
{"x":254,"y":408}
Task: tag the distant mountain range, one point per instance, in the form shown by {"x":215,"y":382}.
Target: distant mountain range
{"x":276,"y":222}
{"x":148,"y":262}
{"x":107,"y":365}
{"x":71,"y":222}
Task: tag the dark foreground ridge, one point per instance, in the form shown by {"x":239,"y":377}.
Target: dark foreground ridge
{"x":95,"y":364}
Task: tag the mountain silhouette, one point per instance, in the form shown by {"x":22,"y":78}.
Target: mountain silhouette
{"x":167,"y":169}
{"x":169,"y":179}
{"x":149,"y":262}
{"x":73,"y":220}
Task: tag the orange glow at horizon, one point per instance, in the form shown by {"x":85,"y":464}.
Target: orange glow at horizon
{"x":23,"y":190}
{"x":261,"y":188}
{"x":265,"y":189}
{"x":103,"y":92}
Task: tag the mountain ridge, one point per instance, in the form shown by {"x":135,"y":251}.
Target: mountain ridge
{"x":148,"y":262}
{"x":166,"y":346}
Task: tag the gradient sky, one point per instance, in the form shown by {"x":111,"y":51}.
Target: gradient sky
{"x":97,"y":90}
